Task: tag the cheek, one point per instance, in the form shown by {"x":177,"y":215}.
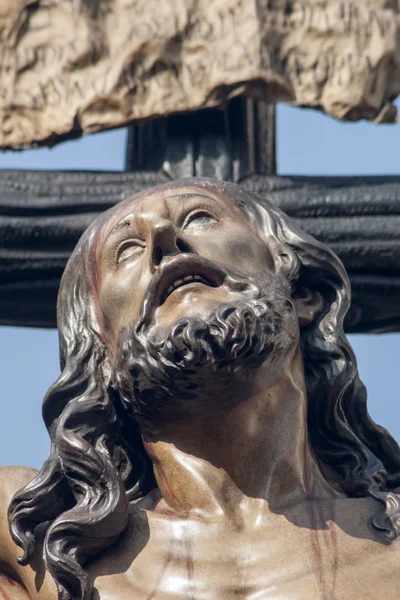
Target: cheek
{"x":241,"y":250}
{"x":121,"y":299}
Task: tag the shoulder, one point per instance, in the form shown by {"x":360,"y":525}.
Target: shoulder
{"x":12,"y":479}
{"x":21,"y":581}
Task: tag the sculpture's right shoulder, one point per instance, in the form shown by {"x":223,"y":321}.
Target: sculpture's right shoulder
{"x":12,"y":479}
{"x":18,"y":582}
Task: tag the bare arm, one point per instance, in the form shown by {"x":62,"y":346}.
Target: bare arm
{"x":17,"y":582}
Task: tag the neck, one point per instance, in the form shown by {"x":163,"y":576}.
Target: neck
{"x":257,"y":449}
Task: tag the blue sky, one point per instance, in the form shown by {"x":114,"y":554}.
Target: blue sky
{"x":308,"y":143}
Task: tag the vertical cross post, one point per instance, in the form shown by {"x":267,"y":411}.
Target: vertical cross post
{"x":227,"y":143}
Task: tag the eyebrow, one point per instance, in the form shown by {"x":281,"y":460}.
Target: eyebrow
{"x":121,"y":225}
{"x":185,"y":196}
{"x":190,"y":195}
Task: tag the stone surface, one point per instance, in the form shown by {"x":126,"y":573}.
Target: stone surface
{"x":76,"y":67}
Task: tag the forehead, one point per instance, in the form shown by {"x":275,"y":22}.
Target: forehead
{"x":162,"y":201}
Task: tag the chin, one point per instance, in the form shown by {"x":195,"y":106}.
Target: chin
{"x":196,"y":306}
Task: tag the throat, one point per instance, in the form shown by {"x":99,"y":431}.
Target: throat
{"x":258,"y":449}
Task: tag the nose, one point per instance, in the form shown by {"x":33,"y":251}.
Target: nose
{"x":165,"y":242}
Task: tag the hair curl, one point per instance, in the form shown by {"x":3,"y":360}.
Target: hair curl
{"x":97,"y":463}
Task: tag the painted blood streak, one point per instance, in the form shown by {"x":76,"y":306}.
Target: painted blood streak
{"x":6,"y":583}
{"x":324,"y":546}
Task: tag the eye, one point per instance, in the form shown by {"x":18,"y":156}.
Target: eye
{"x":129,"y":250}
{"x":199,"y":219}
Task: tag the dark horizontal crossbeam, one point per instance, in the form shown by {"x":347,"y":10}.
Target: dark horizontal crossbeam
{"x":43,"y":214}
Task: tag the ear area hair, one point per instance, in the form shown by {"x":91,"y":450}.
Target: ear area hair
{"x":285,"y":260}
{"x":308,"y":304}
{"x":308,"y":301}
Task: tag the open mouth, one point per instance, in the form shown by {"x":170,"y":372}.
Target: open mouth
{"x":189,"y":269}
{"x":187,"y":279}
{"x":184,"y":269}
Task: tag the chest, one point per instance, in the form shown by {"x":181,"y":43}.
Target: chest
{"x":191,"y":561}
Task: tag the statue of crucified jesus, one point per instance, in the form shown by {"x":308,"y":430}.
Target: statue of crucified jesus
{"x":209,"y":432}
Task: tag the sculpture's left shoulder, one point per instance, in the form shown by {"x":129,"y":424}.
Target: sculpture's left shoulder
{"x":360,"y":548}
{"x":354,"y":518}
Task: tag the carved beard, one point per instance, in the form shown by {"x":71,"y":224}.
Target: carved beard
{"x":200,"y":359}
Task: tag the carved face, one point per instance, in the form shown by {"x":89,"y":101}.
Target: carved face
{"x":190,"y":299}
{"x":177,"y":253}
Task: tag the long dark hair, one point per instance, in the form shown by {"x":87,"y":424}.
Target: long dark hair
{"x":97,"y":463}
